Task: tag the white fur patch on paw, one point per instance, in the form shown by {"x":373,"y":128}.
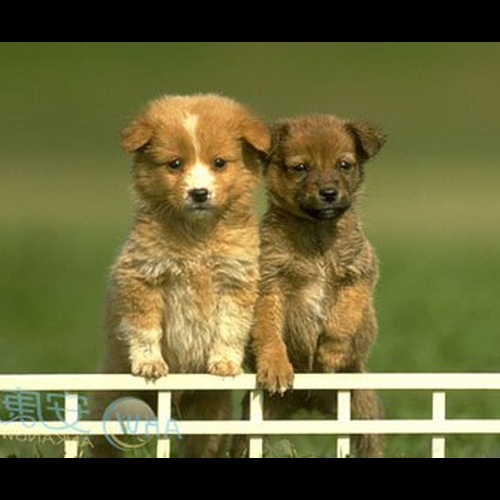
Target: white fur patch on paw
{"x":225,"y":369}
{"x":151,"y":370}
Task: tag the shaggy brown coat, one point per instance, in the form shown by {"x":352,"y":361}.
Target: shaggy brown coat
{"x":182,"y":292}
{"x":315,"y":313}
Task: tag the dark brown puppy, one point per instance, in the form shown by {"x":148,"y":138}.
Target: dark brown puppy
{"x":315,"y":313}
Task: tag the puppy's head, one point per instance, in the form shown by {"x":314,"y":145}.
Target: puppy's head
{"x":196,"y":156}
{"x":316,"y":166}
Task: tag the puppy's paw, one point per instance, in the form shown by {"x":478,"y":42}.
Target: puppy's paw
{"x":225,"y":369}
{"x":151,"y":370}
{"x":275,"y":375}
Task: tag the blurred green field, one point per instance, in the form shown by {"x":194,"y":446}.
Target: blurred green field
{"x":431,"y":205}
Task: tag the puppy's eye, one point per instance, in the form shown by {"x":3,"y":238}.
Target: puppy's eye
{"x":301,"y":168}
{"x":220,"y":163}
{"x":177,"y":164}
{"x":345,"y":165}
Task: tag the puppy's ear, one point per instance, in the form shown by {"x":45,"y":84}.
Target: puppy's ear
{"x":369,"y":139}
{"x":279,"y":133}
{"x":257,"y":135}
{"x":137,"y":135}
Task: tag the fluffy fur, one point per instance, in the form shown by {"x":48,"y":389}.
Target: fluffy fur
{"x":182,"y":292}
{"x":315,"y":313}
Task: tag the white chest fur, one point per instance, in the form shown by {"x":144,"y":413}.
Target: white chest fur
{"x":198,"y":306}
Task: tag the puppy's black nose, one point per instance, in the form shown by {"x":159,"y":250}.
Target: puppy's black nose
{"x":329,"y":195}
{"x":200,"y":195}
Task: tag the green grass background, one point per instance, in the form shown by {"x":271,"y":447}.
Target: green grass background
{"x":431,"y":207}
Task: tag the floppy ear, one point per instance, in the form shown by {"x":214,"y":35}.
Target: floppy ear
{"x":279,"y":132}
{"x":257,"y":134}
{"x":137,"y":135}
{"x":369,"y":139}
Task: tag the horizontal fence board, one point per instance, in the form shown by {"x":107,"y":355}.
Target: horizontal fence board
{"x":269,"y":428}
{"x":382,"y":382}
{"x":167,"y":431}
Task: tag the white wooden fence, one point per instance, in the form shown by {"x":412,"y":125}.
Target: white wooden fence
{"x":437,"y":427}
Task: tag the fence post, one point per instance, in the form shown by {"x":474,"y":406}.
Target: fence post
{"x":164,"y":449}
{"x":257,"y":416}
{"x":439,"y":415}
{"x":72,"y":412}
{"x":344,"y":415}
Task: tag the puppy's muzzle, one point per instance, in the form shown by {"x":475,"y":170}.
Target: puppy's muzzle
{"x":329,"y":195}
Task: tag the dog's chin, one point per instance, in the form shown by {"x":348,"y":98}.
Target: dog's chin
{"x":325,"y":214}
{"x":200,"y":212}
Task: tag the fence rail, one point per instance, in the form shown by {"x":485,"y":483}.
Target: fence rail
{"x":437,"y":427}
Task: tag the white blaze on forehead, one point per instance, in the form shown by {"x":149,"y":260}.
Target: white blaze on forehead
{"x":191,"y":125}
{"x":200,"y":177}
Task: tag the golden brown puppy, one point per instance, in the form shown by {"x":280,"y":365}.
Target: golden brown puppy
{"x":182,"y":292}
{"x":315,"y":313}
